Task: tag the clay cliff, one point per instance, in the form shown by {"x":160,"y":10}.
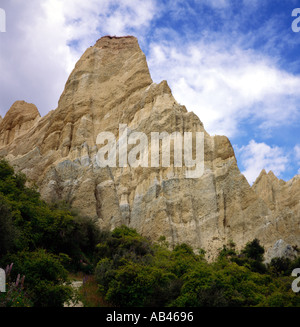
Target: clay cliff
{"x":111,"y":86}
{"x":17,"y":121}
{"x":283,"y":199}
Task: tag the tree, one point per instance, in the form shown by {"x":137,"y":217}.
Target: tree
{"x":8,"y":232}
{"x":280,"y":267}
{"x":254,"y":256}
{"x":254,"y":250}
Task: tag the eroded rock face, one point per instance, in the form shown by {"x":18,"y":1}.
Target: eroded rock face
{"x":283,"y":199}
{"x":281,"y":250}
{"x":18,"y":120}
{"x":110,"y":86}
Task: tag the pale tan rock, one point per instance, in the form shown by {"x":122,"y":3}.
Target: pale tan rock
{"x":111,"y":85}
{"x":281,"y":250}
{"x":18,"y":120}
{"x":283,"y":199}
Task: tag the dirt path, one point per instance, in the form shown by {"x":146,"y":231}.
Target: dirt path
{"x":76,"y":284}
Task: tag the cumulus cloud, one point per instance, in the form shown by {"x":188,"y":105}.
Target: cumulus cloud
{"x":297,"y":152}
{"x":225,"y":85}
{"x":258,"y":156}
{"x":222,"y":83}
{"x":44,"y":39}
{"x":297,"y":155}
{"x":216,"y":4}
{"x":201,"y":47}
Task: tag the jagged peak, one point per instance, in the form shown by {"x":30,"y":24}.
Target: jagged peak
{"x":113,"y":63}
{"x":117,"y":42}
{"x":20,"y":111}
{"x":20,"y":118}
{"x":259,"y":178}
{"x":111,"y":37}
{"x":270,"y":176}
{"x":263,"y":172}
{"x":293,"y":180}
{"x":109,"y":86}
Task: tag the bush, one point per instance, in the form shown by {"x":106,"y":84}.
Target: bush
{"x":8,"y":231}
{"x":157,"y":276}
{"x":27,"y":222}
{"x":136,"y":285}
{"x":15,"y":295}
{"x":280,"y":267}
{"x":253,"y":250}
{"x":46,"y":278}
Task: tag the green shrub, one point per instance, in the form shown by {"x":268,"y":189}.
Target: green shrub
{"x":46,"y":278}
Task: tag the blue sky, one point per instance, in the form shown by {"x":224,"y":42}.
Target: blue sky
{"x":235,"y":63}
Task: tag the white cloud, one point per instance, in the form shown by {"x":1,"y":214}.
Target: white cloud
{"x":258,"y":156}
{"x":297,"y":152}
{"x":38,"y":52}
{"x":297,"y":155}
{"x":225,"y":85}
{"x":216,"y":4}
{"x":213,"y":76}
